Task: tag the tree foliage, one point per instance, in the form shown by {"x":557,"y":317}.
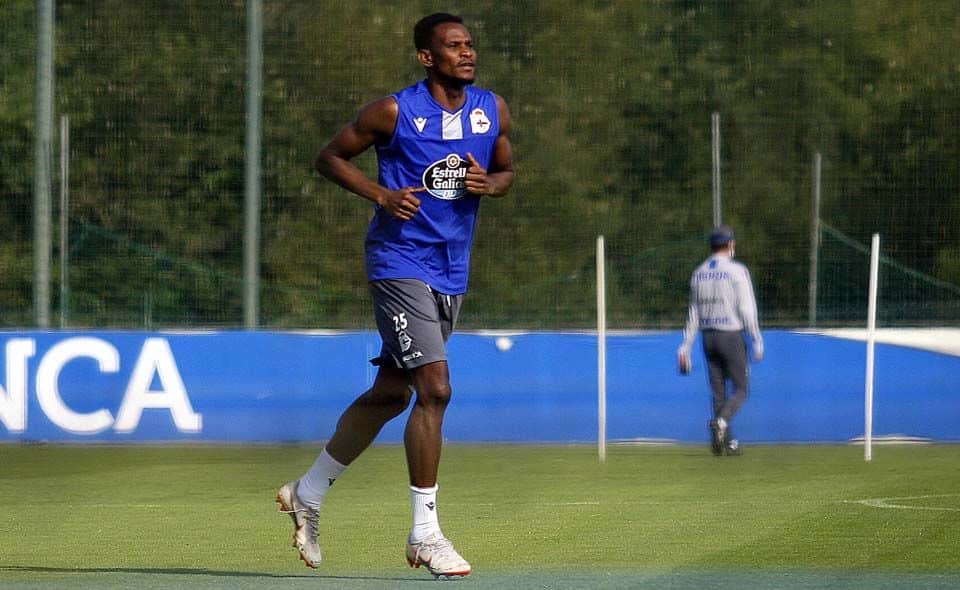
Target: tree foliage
{"x":611,"y":103}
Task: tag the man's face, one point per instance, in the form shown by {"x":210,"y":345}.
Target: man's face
{"x":451,"y":53}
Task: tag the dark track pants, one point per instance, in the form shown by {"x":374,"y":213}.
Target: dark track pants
{"x":726,"y":354}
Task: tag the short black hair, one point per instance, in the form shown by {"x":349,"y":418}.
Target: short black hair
{"x":423,"y":30}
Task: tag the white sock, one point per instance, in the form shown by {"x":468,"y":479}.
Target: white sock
{"x":315,"y":483}
{"x":425,"y":518}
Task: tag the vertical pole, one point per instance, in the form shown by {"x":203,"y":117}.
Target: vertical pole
{"x":814,"y":240}
{"x":254,"y":106}
{"x":601,"y":351}
{"x":43,"y":137}
{"x":64,"y":218}
{"x":715,"y":126}
{"x":871,"y":345}
{"x":148,"y":309}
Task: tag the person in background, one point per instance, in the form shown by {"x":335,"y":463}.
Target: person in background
{"x":442,"y":147}
{"x":723,"y":308}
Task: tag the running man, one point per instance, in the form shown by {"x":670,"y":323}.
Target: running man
{"x":722,"y":306}
{"x":442,"y":145}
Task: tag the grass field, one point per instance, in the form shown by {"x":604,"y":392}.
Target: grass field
{"x":544,"y":517}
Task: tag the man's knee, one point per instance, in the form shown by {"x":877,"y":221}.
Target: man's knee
{"x":391,"y":392}
{"x":432,"y":383}
{"x":435,"y":394}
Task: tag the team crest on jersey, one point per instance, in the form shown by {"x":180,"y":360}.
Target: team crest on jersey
{"x":446,"y":179}
{"x":479,"y":123}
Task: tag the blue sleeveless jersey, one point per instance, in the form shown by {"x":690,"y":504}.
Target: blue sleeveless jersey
{"x":429,"y":148}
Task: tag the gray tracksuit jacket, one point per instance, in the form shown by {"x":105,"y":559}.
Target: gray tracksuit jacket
{"x":721,"y":298}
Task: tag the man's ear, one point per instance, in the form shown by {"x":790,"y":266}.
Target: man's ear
{"x":426,"y":57}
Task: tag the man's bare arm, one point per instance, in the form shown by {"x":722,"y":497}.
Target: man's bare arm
{"x":375,"y":122}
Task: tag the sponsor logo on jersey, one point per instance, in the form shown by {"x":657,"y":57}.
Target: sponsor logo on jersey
{"x":420,"y":122}
{"x":446,"y":178}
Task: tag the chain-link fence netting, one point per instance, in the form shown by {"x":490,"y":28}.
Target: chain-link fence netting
{"x":611,"y":105}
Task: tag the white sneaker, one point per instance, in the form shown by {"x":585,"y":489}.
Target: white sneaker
{"x":306,"y":523}
{"x":436,"y":552}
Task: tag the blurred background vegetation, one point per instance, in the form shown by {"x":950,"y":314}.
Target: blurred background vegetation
{"x":611,"y":105}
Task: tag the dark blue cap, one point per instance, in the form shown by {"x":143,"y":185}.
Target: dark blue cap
{"x":721,"y":235}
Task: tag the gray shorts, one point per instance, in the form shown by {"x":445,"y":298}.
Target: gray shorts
{"x":414,"y":322}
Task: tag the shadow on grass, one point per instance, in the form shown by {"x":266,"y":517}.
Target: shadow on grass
{"x":693,"y":579}
{"x":186,"y":571}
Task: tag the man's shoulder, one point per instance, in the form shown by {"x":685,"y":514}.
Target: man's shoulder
{"x":379,"y":115}
{"x":482,"y":90}
{"x":738,"y":269}
{"x":720,"y":264}
{"x":730,"y":264}
{"x":411,"y":90}
{"x":481,"y":94}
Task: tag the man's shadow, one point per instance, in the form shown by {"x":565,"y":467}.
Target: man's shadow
{"x":187,"y":571}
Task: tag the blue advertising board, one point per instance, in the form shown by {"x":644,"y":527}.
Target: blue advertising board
{"x":252,"y":386}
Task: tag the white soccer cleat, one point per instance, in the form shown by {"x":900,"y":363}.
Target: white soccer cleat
{"x":722,"y":430}
{"x":436,"y":552}
{"x":306,"y":523}
{"x":733,"y":448}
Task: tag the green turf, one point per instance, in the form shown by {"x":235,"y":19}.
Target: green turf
{"x":540,"y":517}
